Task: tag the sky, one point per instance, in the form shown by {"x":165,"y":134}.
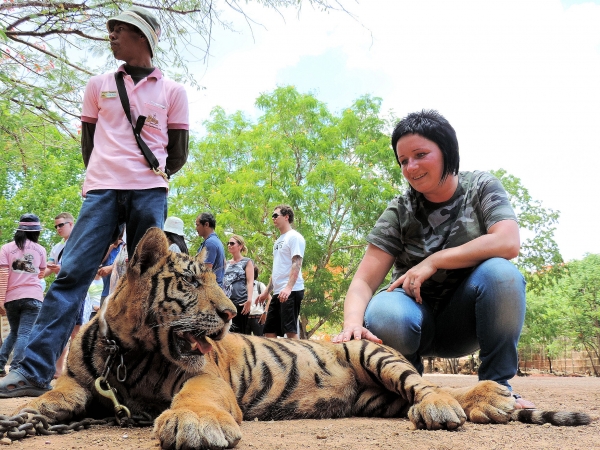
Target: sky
{"x":519,"y":80}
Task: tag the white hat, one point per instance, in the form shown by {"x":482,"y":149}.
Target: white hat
{"x":174,"y":225}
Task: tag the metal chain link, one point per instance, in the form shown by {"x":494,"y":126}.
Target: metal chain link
{"x":29,"y":422}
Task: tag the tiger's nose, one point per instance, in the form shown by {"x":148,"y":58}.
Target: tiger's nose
{"x":227,"y":314}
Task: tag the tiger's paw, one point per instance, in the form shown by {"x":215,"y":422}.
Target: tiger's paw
{"x":437,"y":411}
{"x":182,"y":429}
{"x":487,"y":402}
{"x":62,"y":403}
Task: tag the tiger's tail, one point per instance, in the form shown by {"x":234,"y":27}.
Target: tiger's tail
{"x":557,"y":418}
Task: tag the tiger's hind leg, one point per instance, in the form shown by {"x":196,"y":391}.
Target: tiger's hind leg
{"x":486,"y":402}
{"x":380,"y":369}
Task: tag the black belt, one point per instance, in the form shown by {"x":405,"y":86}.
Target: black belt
{"x":255,"y":316}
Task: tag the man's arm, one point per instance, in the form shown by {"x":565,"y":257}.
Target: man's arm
{"x":87,"y":141}
{"x":294,"y":272}
{"x":177,"y":150}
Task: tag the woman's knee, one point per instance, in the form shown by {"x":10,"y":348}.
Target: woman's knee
{"x":396,"y":319}
{"x":499,"y":276}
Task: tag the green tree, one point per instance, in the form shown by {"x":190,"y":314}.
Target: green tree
{"x":49,"y":49}
{"x":42,"y":173}
{"x":539,"y":259}
{"x":335,"y":170}
{"x":581,"y":290}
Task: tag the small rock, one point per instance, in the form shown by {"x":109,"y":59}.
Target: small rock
{"x":5,"y":441}
{"x":321,"y":437}
{"x":125,"y":436}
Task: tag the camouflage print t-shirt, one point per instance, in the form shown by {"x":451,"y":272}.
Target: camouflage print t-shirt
{"x":412,"y":228}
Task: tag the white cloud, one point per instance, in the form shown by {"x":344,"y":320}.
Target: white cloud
{"x":519,"y":80}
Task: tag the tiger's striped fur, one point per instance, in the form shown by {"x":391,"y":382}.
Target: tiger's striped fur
{"x":171,"y":320}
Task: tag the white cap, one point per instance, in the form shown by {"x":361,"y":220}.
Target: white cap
{"x":174,"y":225}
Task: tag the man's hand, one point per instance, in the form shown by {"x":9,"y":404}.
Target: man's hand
{"x":2,"y":310}
{"x":263,"y":318}
{"x":53,"y":267}
{"x":285,"y":294}
{"x":106,"y":270}
{"x":262,"y":298}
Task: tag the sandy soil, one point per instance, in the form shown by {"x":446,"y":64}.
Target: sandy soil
{"x":549,"y":393}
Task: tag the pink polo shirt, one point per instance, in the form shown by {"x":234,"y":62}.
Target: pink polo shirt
{"x":116,"y":161}
{"x":23,"y":269}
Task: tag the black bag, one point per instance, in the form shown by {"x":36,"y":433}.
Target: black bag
{"x":137,"y":129}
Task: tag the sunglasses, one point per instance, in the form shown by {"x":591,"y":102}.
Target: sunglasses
{"x":60,"y":225}
{"x":275,"y":215}
{"x":231,"y":243}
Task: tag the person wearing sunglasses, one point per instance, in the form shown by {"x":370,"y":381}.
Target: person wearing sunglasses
{"x":286,"y":281}
{"x":238,"y":281}
{"x":63,"y":224}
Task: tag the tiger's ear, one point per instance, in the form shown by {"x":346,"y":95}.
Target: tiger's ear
{"x":150,"y":250}
{"x":201,"y":256}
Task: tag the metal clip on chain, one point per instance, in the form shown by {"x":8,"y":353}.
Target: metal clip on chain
{"x":121,"y":411}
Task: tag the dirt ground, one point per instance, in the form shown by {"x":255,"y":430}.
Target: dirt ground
{"x":548,"y":392}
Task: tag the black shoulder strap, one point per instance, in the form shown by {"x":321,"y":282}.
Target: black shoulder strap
{"x":137,"y":129}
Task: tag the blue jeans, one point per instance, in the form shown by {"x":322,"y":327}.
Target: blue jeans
{"x":96,"y":227}
{"x":486,"y":312}
{"x":21,"y":315}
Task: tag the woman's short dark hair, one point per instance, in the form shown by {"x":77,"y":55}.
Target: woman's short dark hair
{"x":22,"y":236}
{"x":431,"y":125}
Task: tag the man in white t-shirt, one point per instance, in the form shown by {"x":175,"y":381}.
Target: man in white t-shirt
{"x":286,"y":281}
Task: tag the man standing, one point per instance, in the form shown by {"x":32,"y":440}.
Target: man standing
{"x":286,"y":281}
{"x":215,"y":252}
{"x":63,"y":224}
{"x":119,"y":187}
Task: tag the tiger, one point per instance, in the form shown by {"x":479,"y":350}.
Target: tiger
{"x":176,"y":361}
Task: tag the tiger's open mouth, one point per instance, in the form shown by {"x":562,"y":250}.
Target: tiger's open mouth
{"x":194,"y":344}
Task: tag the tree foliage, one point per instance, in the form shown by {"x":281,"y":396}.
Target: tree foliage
{"x":335,"y":170}
{"x":42,"y":173}
{"x":49,"y":48}
{"x":539,"y":259}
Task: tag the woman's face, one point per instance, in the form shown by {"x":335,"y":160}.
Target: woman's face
{"x":422,"y":164}
{"x":233,"y":246}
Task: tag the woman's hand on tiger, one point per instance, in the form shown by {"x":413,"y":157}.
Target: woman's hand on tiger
{"x":356,"y":333}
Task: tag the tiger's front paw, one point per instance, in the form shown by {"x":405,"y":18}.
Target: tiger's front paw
{"x":488,"y":402}
{"x":437,"y":411}
{"x":183,"y":429}
{"x":59,"y":405}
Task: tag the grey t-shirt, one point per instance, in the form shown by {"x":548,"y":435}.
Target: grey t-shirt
{"x":234,"y":281}
{"x":412,"y":228}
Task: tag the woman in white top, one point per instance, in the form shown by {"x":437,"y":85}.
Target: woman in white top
{"x":173,"y":228}
{"x":258,"y":311}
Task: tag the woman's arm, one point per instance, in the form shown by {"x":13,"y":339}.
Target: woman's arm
{"x":249,"y":286}
{"x":371,"y":272}
{"x":501,"y":241}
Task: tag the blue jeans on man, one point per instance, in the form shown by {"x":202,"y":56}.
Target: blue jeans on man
{"x":96,"y":227}
{"x":21,"y":315}
{"x":486,"y":312}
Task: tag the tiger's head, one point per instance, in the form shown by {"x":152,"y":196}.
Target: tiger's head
{"x":167,"y":302}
